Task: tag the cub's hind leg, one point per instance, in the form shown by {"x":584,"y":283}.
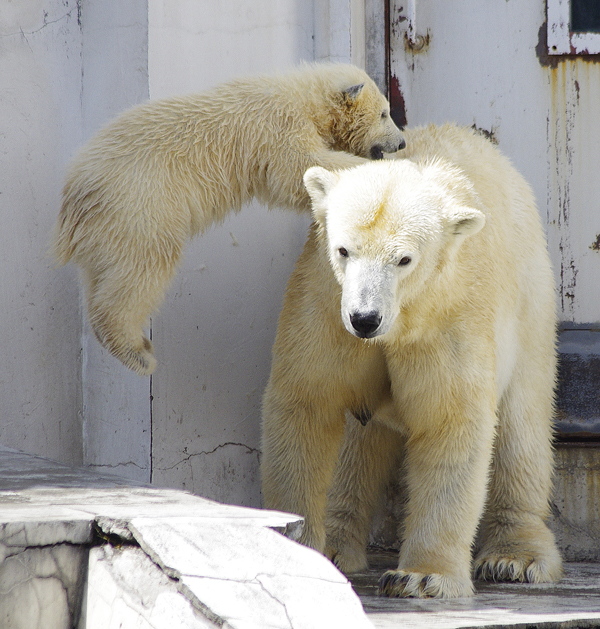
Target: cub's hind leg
{"x":122,"y":292}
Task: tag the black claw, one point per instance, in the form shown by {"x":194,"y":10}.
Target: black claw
{"x":384,"y":581}
{"x":388,"y":581}
{"x":401,"y":579}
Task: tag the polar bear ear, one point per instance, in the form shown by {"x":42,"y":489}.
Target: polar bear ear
{"x":350,"y":94}
{"x":318,"y":183}
{"x":465,"y":221}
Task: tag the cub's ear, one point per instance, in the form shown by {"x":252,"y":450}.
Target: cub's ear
{"x":465,"y":221}
{"x":350,"y":94}
{"x":318,"y":183}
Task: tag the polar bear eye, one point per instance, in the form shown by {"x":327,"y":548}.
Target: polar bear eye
{"x":405,"y":261}
{"x":343,"y":252}
{"x":384,"y":115}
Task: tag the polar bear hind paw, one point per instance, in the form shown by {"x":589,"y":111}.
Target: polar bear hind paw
{"x":404,"y":584}
{"x":521,"y":569}
{"x":139,"y":357}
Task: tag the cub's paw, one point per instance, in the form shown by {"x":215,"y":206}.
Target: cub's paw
{"x":522,"y":567}
{"x":400,"y":584}
{"x":139,"y":358}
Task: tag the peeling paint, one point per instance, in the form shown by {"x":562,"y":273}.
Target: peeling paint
{"x":552,"y":61}
{"x":490,"y":135}
{"x":417,"y":43}
{"x":595,"y":246}
{"x":564,"y":107}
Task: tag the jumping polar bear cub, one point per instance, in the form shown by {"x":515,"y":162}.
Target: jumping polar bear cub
{"x":167,"y":170}
{"x":424,"y":302}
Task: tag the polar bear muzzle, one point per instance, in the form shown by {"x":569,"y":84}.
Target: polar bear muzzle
{"x":365,"y":324}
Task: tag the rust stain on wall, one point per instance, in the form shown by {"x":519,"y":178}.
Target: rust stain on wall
{"x":552,"y":61}
{"x":397,"y":103}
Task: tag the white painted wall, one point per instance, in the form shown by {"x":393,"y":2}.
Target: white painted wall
{"x":214,"y":333}
{"x":115,"y":402}
{"x":485,"y":66}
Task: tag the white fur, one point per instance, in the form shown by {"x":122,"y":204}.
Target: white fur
{"x":458,"y":373}
{"x":167,"y":170}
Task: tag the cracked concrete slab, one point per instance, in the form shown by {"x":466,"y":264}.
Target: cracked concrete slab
{"x":253,"y":577}
{"x":40,"y":588}
{"x":163,"y":559}
{"x":126,"y":589}
{"x":158,"y":558}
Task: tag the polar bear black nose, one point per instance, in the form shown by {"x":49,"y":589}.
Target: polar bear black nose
{"x":365,"y":323}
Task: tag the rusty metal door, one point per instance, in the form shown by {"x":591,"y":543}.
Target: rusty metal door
{"x":497,"y":66}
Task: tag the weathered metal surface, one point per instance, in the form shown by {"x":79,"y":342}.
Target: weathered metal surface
{"x":544,"y":113}
{"x":578,"y":391}
{"x":565,"y":37}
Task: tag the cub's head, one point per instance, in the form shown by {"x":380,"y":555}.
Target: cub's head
{"x":361,"y":122}
{"x":390,"y":229}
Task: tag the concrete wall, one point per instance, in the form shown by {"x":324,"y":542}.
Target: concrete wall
{"x":40,"y":126}
{"x":66,"y":68}
{"x":214,"y":333}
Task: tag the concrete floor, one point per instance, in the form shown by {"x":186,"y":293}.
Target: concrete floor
{"x":573,"y":603}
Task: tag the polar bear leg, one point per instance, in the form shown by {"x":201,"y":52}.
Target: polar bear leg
{"x":516,"y":544}
{"x":301,"y":441}
{"x":368,"y":457}
{"x":122,"y":295}
{"x":450,"y":416}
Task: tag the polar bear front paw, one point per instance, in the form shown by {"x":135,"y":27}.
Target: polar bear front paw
{"x":402,"y":584}
{"x":348,"y":560}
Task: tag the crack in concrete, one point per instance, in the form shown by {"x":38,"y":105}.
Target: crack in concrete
{"x":268,"y":593}
{"x":114,"y":465}
{"x":46,"y":23}
{"x":207,"y":452}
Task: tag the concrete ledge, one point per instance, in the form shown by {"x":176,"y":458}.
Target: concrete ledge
{"x":92,"y":551}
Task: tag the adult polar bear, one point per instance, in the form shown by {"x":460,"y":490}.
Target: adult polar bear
{"x":447,"y":338}
{"x":166,"y":170}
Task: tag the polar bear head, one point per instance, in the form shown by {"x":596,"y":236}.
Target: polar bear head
{"x":391,"y":229}
{"x":361,"y":122}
